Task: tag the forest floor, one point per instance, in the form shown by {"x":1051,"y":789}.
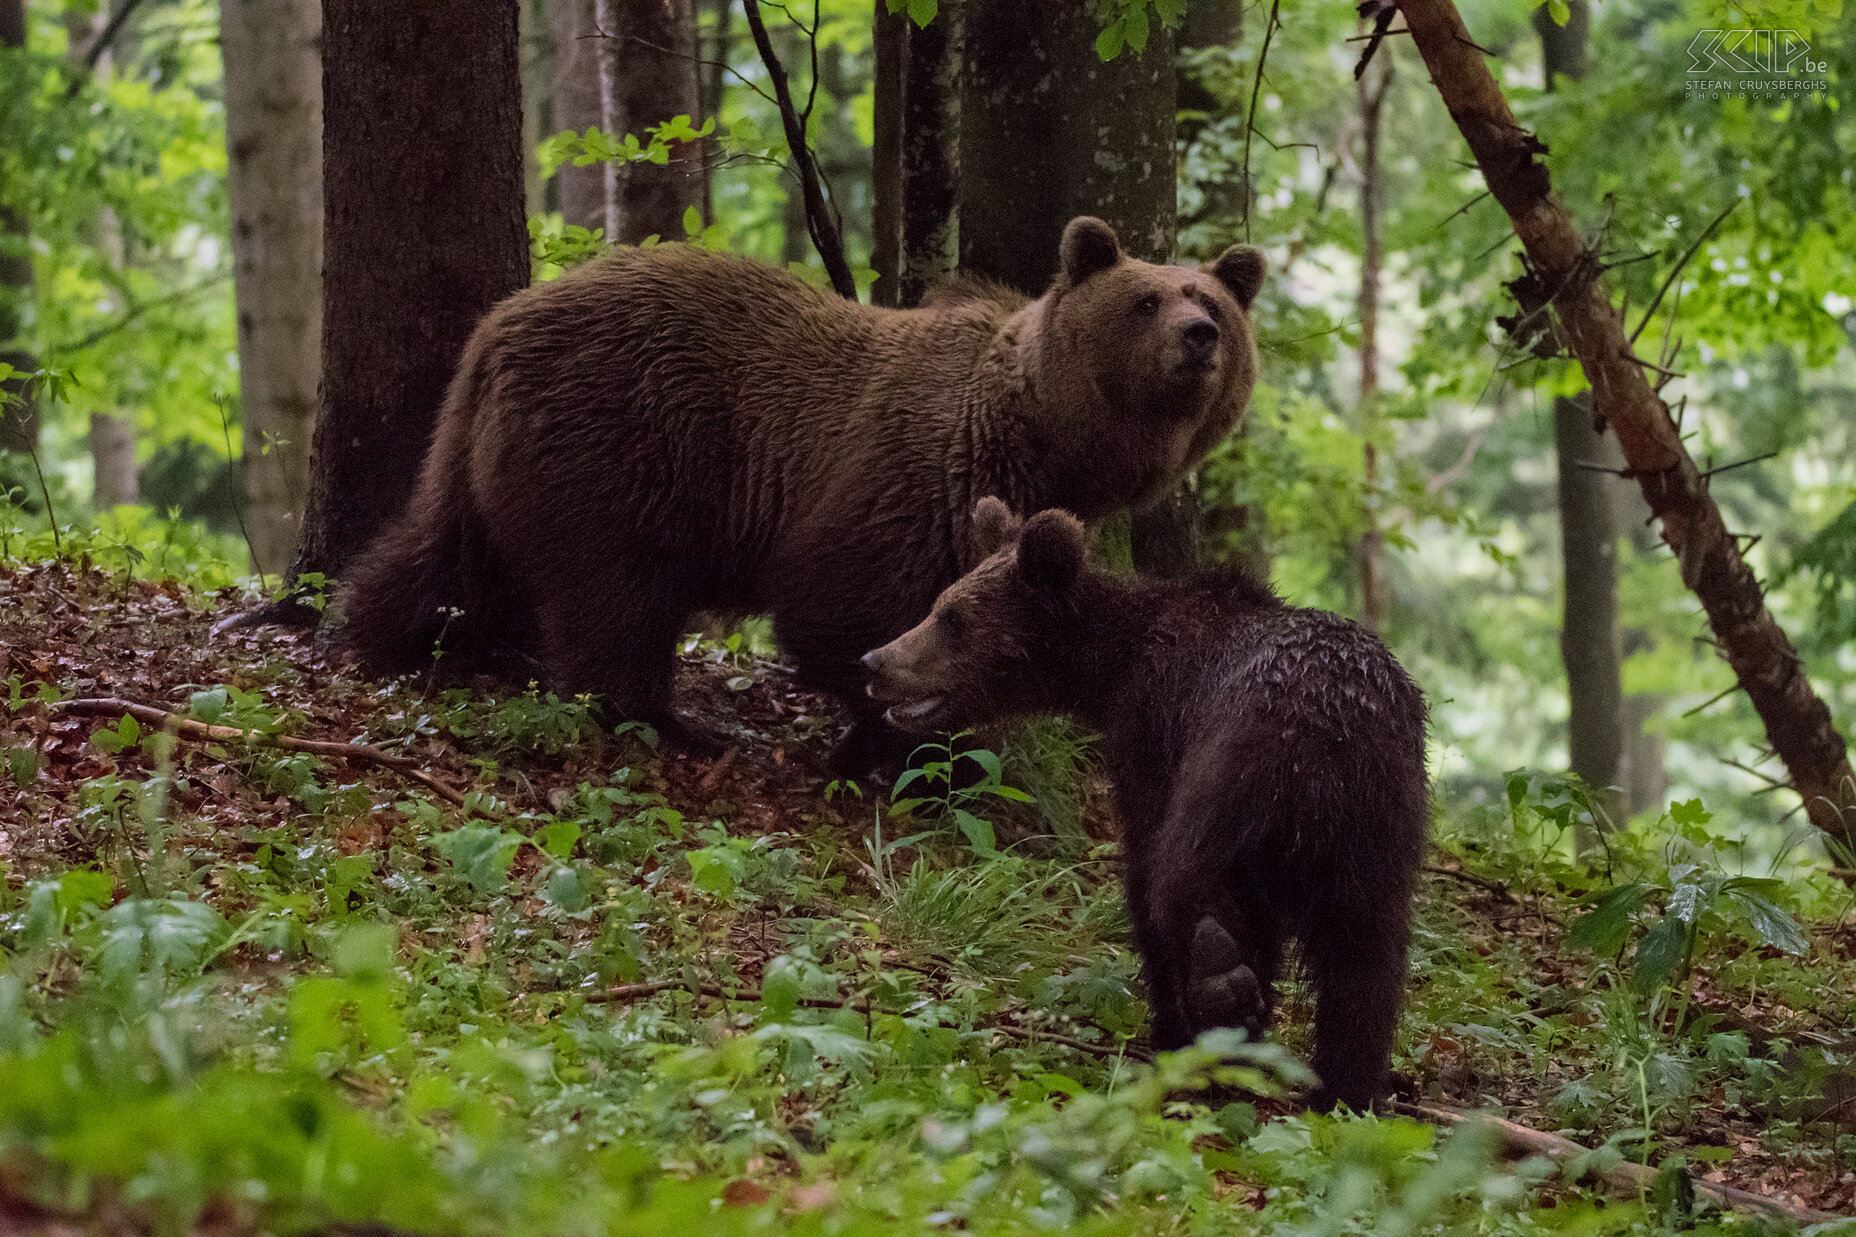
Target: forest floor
{"x":251,"y":988}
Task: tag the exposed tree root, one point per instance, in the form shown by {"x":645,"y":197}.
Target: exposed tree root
{"x":200,"y":732}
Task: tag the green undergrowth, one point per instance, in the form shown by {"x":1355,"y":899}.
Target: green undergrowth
{"x":588,"y":1007}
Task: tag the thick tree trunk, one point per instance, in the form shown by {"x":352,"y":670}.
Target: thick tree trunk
{"x":1372,"y":88}
{"x":931,"y":152}
{"x":890,"y":39}
{"x":273,"y":85}
{"x":423,"y":232}
{"x":647,"y":76}
{"x":1591,"y":644}
{"x":19,"y":419}
{"x":580,"y":191}
{"x":1798,"y":725}
{"x":1050,"y":131}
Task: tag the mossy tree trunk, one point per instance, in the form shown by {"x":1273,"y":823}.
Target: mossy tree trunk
{"x":423,"y":233}
{"x":580,"y":192}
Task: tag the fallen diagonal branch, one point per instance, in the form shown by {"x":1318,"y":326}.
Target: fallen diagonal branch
{"x":1764,"y":662}
{"x":633,"y":992}
{"x":201,"y":732}
{"x":1627,"y":1177}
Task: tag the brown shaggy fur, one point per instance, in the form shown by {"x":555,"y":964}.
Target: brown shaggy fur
{"x":1268,"y":765}
{"x":668,"y":430}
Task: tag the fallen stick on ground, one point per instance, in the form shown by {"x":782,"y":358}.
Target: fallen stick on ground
{"x":201,"y":732}
{"x":632,"y":992}
{"x":1627,"y":1177}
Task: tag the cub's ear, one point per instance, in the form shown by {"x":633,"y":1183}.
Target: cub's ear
{"x":1240,"y":268}
{"x":994,"y":525}
{"x":1089,"y":245}
{"x":1050,"y":551}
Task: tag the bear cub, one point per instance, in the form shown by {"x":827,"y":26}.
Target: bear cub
{"x":1268,"y":764}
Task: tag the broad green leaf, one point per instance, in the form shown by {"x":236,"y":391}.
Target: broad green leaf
{"x":1109,"y":42}
{"x":779,"y":988}
{"x":978,"y":832}
{"x":1770,"y":923}
{"x":558,"y":838}
{"x":207,"y":706}
{"x":1660,"y":953}
{"x":921,"y":12}
{"x":481,"y":854}
{"x":1606,"y":927}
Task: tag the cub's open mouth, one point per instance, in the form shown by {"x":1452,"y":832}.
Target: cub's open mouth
{"x":915,"y":714}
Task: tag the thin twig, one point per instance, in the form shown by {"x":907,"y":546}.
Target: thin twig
{"x":101,"y":44}
{"x":1250,"y":121}
{"x":1497,"y":888}
{"x":201,"y":732}
{"x":1677,"y":269}
{"x":136,"y":311}
{"x":826,"y":237}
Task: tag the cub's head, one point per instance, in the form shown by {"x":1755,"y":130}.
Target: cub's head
{"x":1170,"y":345}
{"x":994,"y":645}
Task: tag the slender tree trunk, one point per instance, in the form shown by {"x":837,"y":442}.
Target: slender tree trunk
{"x":273,"y":88}
{"x":1591,"y":644}
{"x":931,"y":152}
{"x":19,"y":419}
{"x":1798,"y":725}
{"x":712,"y":77}
{"x":536,"y":41}
{"x":580,"y":191}
{"x":890,"y":39}
{"x":647,"y":76}
{"x":1372,"y":88}
{"x":423,"y":232}
{"x":1050,"y":131}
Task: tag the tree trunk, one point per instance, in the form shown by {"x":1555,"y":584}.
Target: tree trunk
{"x":647,"y":76}
{"x":931,"y":152}
{"x":712,"y":80}
{"x":1050,"y":131}
{"x":580,"y":191}
{"x":19,"y":417}
{"x":273,"y":87}
{"x":890,"y":39}
{"x":1372,"y":88}
{"x":1591,"y":644}
{"x":1797,"y":723}
{"x":423,"y":232}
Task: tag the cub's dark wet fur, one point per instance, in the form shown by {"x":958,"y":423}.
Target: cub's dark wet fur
{"x":669,"y":430}
{"x":1268,"y":764}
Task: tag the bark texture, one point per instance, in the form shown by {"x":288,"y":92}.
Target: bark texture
{"x":1562,"y":268}
{"x":931,"y":152}
{"x":1050,"y":131}
{"x":580,"y":191}
{"x":1591,"y":645}
{"x":648,"y":75}
{"x":890,"y":41}
{"x":19,"y":419}
{"x":423,"y":232}
{"x":273,"y":86}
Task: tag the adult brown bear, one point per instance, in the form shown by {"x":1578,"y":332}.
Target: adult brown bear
{"x":667,"y":430}
{"x":1268,"y":764}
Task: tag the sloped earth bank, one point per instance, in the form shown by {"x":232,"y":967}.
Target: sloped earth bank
{"x":550,"y":941}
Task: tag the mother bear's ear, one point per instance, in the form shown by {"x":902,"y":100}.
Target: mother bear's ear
{"x":994,"y":525}
{"x":1241,"y":268}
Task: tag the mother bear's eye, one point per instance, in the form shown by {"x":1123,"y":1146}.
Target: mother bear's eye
{"x":1148,"y":304}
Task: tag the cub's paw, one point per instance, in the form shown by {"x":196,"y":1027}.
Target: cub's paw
{"x":1221,"y":988}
